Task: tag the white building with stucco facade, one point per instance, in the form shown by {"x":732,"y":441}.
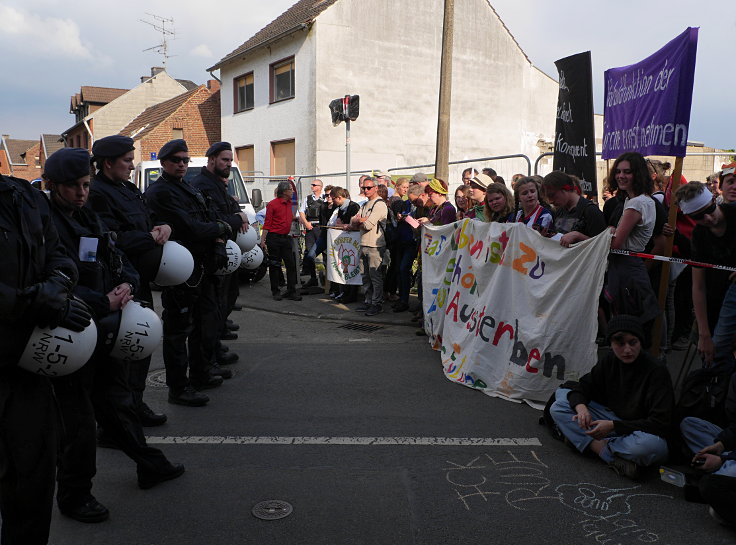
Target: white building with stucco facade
{"x":276,"y":88}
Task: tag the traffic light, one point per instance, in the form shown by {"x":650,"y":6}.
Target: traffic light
{"x":342,"y":109}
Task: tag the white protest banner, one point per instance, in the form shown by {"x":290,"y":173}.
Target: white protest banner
{"x":513,"y":313}
{"x":343,"y":257}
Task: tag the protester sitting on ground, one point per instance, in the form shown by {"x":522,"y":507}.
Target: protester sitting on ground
{"x":575,"y":217}
{"x":462,"y":201}
{"x":622,"y":408}
{"x":406,"y":247}
{"x":714,"y":452}
{"x":499,"y":203}
{"x":714,"y":297}
{"x":476,"y":208}
{"x":444,"y":212}
{"x":529,"y":210}
{"x":629,"y":289}
{"x":468,"y":175}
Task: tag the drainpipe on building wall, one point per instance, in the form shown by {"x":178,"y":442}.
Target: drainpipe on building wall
{"x":7,"y":153}
{"x":215,"y":77}
{"x":89,"y":131}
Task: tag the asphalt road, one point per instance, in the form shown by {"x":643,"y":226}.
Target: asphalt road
{"x":361,"y":434}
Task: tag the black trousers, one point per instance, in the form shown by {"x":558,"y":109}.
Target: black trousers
{"x":191,"y":328}
{"x":77,"y":464}
{"x":280,"y":249}
{"x":99,"y":391}
{"x":720,"y":492}
{"x":28,"y":446}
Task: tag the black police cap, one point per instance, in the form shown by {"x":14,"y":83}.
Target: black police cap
{"x":172,"y":147}
{"x":112,"y":146}
{"x":218,"y":147}
{"x":67,"y":165}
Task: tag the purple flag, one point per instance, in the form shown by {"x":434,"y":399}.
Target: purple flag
{"x":647,"y":105}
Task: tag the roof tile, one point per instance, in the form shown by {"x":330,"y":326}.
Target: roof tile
{"x":303,"y":12}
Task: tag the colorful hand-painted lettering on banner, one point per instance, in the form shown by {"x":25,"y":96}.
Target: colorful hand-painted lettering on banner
{"x":343,"y":257}
{"x":513,"y":313}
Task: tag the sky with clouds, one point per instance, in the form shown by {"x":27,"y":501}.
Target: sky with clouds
{"x":47,"y":50}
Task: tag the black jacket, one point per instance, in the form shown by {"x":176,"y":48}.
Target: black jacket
{"x":30,"y":250}
{"x":122,"y":209}
{"x":111,"y":267}
{"x":184,"y":208}
{"x":640,"y":393}
{"x":220,"y":203}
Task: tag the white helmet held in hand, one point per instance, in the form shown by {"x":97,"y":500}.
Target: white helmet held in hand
{"x":247,"y":241}
{"x":59,"y":351}
{"x":176,"y":265}
{"x":253,"y":259}
{"x":139,"y":334}
{"x":233,"y":259}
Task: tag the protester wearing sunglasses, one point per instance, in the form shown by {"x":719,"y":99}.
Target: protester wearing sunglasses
{"x":714,"y":293}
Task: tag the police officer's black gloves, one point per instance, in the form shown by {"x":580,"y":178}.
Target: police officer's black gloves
{"x":225,"y":231}
{"x":75,"y":316}
{"x":220,"y":255}
{"x":51,"y":305}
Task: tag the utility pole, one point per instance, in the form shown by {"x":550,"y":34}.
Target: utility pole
{"x":442,"y":153}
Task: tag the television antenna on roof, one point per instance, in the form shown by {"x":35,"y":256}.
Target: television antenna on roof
{"x":160,"y":26}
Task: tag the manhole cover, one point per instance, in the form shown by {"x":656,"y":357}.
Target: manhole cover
{"x":367,"y":328}
{"x":156,"y":379}
{"x":272,"y":510}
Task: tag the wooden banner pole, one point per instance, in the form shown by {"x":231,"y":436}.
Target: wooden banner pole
{"x":664,"y":278}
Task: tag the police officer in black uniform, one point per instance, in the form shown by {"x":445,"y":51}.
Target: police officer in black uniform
{"x":186,"y":315}
{"x":119,"y":203}
{"x":99,"y":390}
{"x":36,"y":278}
{"x":212,"y":183}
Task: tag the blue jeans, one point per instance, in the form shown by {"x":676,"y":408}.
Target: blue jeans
{"x":405,"y":254}
{"x":644,"y":449}
{"x":725,"y":331}
{"x":698,"y":434}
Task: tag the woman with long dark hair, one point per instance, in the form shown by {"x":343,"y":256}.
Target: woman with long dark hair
{"x":629,"y":289}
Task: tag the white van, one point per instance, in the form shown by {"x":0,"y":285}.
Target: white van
{"x":147,"y":172}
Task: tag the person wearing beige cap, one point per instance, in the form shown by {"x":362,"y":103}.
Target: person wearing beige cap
{"x":478,"y":185}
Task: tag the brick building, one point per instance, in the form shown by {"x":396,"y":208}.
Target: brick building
{"x":193,"y":116}
{"x":104,"y":111}
{"x":49,"y":144}
{"x":20,"y":158}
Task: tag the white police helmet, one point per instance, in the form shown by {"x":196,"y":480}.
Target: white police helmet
{"x":247,"y":241}
{"x":253,"y":259}
{"x":59,"y":351}
{"x":233,"y":259}
{"x":138,"y":335}
{"x":176,"y":265}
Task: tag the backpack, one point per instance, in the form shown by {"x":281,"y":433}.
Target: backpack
{"x":390,"y":230}
{"x":704,"y":393}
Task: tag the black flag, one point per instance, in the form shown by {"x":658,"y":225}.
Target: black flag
{"x":574,"y":131}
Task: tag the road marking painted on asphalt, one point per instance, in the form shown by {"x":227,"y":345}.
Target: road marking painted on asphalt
{"x":352,"y":441}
